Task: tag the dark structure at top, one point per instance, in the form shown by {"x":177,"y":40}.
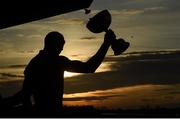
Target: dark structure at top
{"x":16,"y":12}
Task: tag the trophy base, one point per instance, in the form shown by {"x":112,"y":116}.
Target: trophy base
{"x":120,"y":46}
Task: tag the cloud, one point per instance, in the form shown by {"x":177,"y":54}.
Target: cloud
{"x":154,"y":8}
{"x":157,"y":68}
{"x":34,"y":36}
{"x":136,"y":11}
{"x":11,"y":75}
{"x":92,"y":98}
{"x":169,"y":5}
{"x":20,"y":35}
{"x":130,"y":11}
{"x":96,"y":95}
{"x":14,"y":66}
{"x":64,"y":21}
{"x":88,"y":38}
{"x":27,"y":51}
{"x":126,"y":12}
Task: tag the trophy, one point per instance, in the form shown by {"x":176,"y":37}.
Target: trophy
{"x":101,"y":23}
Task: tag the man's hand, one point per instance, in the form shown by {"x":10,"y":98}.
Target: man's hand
{"x":109,"y":36}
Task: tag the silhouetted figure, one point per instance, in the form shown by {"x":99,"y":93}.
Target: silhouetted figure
{"x":44,"y":75}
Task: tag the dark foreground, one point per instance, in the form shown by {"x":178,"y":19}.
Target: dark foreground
{"x":89,"y":111}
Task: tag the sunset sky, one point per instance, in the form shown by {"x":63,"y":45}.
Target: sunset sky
{"x":151,"y":27}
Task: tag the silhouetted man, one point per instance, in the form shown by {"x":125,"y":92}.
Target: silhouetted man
{"x":44,"y":75}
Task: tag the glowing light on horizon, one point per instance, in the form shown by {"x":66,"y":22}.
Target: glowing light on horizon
{"x":70,"y":74}
{"x":105,"y":66}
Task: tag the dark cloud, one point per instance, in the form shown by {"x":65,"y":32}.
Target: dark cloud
{"x":155,"y":68}
{"x":148,"y":100}
{"x":164,"y":89}
{"x":88,"y":38}
{"x":11,"y":75}
{"x":15,"y":66}
{"x":174,"y":92}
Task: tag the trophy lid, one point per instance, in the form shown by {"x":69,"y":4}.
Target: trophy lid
{"x":100,"y":22}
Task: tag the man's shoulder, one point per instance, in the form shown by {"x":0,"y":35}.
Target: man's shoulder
{"x":63,"y":58}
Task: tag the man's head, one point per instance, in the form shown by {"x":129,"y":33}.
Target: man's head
{"x":54,"y":42}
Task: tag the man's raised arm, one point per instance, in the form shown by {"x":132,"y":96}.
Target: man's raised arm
{"x":94,"y":62}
